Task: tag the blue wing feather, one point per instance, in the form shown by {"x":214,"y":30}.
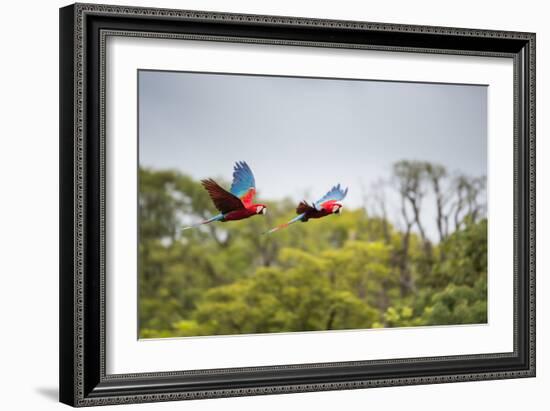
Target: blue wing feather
{"x":336,"y":193}
{"x":243,"y":179}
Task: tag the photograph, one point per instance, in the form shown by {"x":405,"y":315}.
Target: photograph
{"x":262,"y":201}
{"x":284,"y":204}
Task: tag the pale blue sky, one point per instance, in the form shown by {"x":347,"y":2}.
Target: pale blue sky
{"x":300,"y":135}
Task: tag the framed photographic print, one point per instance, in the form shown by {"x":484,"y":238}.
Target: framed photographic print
{"x":262,"y":204}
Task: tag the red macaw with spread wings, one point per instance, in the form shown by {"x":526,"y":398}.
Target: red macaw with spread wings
{"x":330,"y":203}
{"x":235,"y":204}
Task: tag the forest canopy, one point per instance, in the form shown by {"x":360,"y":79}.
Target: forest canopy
{"x":356,"y":270}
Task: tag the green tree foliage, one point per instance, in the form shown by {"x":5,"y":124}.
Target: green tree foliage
{"x":354,"y":270}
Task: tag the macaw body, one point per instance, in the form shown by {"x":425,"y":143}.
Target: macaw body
{"x":237,"y":203}
{"x":240,"y":214}
{"x":327,"y":208}
{"x":329,"y":204}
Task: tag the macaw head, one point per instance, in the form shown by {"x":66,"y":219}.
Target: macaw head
{"x":332,"y":206}
{"x":260,"y":208}
{"x":337,"y":207}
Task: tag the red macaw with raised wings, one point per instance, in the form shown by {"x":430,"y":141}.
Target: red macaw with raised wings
{"x":237,"y":203}
{"x":330,"y":203}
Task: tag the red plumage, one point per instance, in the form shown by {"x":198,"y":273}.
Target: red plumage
{"x":235,"y":204}
{"x":248,"y":197}
{"x":311,"y":212}
{"x":240,"y":214}
{"x":330,"y":203}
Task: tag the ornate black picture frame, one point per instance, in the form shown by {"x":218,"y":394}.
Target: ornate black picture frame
{"x":83,"y":30}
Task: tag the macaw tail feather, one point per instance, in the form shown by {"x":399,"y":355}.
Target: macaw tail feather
{"x":277,"y":228}
{"x":294,"y":220}
{"x":218,"y":217}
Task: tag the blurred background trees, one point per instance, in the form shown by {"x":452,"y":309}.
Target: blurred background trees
{"x":360,"y":269}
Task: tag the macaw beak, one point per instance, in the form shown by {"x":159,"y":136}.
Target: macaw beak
{"x":264,"y":210}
